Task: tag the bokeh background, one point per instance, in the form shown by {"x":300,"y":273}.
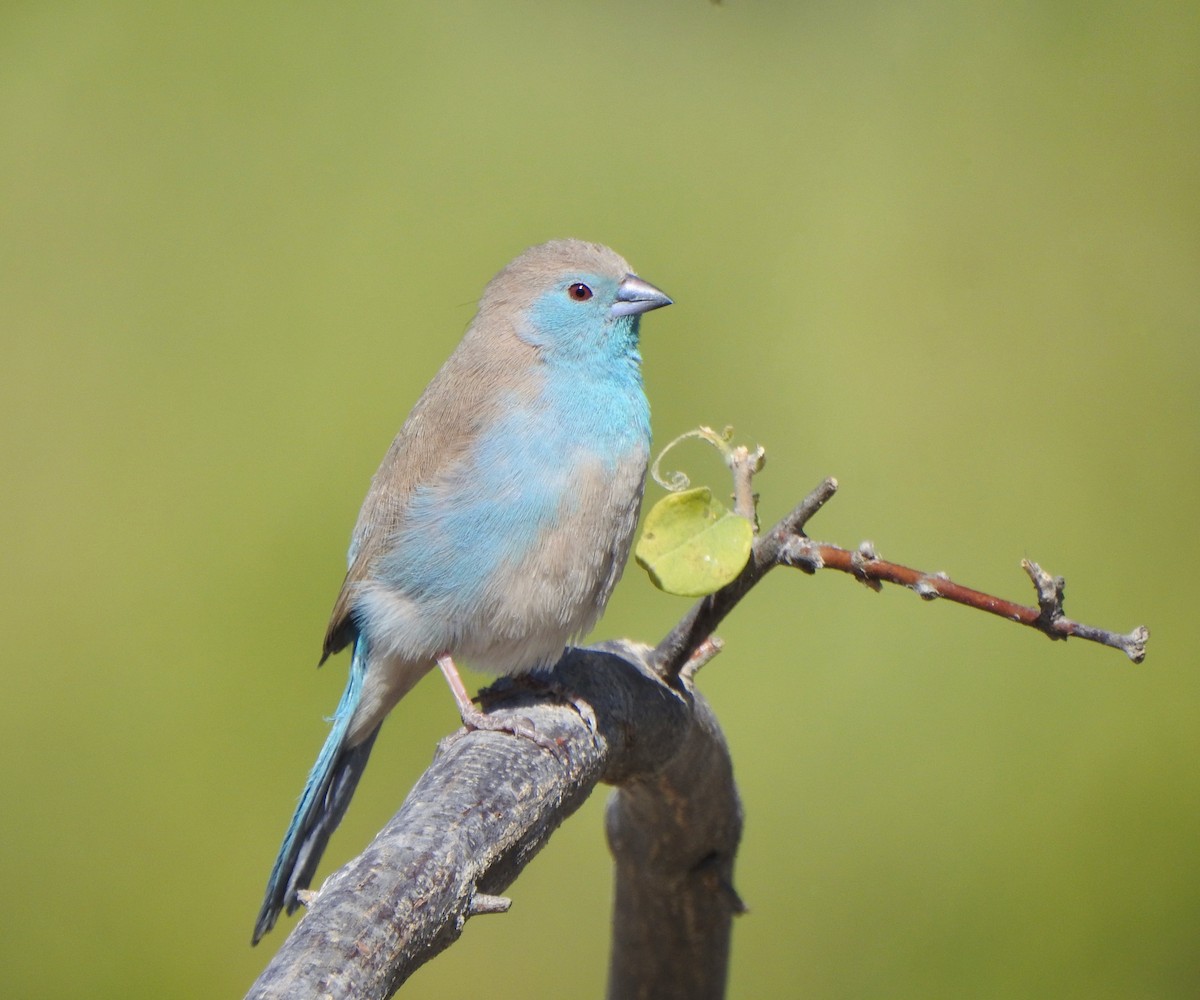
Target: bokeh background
{"x":949,"y":253}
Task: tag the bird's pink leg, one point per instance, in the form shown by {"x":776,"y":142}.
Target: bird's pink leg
{"x":473,"y":718}
{"x":459,"y":690}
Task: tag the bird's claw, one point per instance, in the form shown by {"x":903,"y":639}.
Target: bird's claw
{"x":475,"y":719}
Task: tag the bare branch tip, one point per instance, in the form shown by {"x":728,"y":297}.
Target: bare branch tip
{"x":794,"y":523}
{"x":482,"y":903}
{"x":1049,"y":592}
{"x":1134,"y":644}
{"x":709,"y":648}
{"x":736,"y":903}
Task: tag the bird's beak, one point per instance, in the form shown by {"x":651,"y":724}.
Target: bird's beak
{"x":635,"y":297}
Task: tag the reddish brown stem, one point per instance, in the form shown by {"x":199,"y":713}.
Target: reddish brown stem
{"x":1047,"y":618}
{"x":787,"y":545}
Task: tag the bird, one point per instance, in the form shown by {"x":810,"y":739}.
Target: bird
{"x":499,"y":520}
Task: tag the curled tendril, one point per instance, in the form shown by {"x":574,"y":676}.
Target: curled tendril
{"x":678,"y":481}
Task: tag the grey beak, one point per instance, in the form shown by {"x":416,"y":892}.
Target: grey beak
{"x":635,"y":297}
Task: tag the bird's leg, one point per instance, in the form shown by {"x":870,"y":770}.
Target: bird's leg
{"x":459,"y":690}
{"x":473,"y":718}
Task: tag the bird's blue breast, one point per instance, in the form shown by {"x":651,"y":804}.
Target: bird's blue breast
{"x":489,"y":514}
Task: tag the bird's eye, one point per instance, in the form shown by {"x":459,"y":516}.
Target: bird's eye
{"x":579,"y":292}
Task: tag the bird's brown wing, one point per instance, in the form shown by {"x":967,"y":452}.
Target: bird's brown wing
{"x":469,"y":393}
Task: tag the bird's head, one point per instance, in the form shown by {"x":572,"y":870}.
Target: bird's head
{"x":573,"y":300}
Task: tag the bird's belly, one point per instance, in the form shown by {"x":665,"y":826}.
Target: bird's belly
{"x":519,"y":611}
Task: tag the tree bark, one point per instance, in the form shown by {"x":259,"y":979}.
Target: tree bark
{"x":674,"y":835}
{"x":488,"y":803}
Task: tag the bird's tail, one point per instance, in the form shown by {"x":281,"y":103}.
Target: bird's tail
{"x":331,"y":783}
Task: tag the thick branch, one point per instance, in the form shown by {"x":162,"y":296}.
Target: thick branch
{"x":490,"y":801}
{"x":674,"y":857}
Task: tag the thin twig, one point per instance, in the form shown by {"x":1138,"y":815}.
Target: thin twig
{"x":744,"y":464}
{"x":787,"y":545}
{"x":1048,"y":618}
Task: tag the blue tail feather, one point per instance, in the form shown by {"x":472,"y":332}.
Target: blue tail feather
{"x":327,"y":792}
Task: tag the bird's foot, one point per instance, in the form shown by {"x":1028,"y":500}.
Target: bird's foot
{"x":544,"y":684}
{"x":473,"y":718}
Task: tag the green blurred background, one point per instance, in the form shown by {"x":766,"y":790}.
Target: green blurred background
{"x":948,"y":253}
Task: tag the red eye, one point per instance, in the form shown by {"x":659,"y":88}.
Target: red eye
{"x":579,"y":292}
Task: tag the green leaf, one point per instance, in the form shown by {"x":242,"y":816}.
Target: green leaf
{"x":691,"y":545}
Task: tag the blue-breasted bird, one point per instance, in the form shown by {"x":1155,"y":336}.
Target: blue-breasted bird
{"x":499,"y":520}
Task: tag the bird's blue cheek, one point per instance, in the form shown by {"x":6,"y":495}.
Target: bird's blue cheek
{"x":556,"y":322}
